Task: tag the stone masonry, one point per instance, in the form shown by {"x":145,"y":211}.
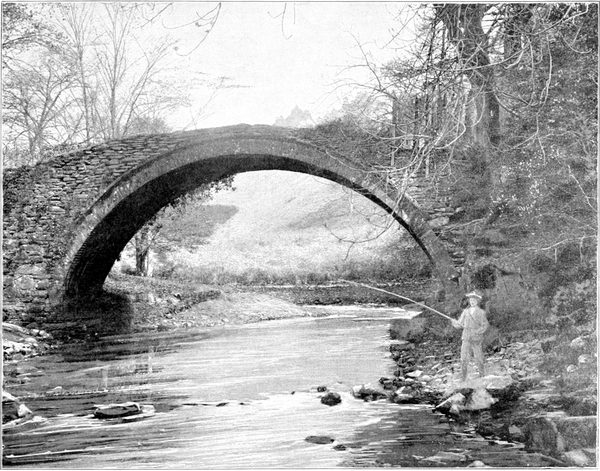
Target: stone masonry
{"x":66,"y":220}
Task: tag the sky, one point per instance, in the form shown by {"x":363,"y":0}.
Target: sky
{"x":276,"y":61}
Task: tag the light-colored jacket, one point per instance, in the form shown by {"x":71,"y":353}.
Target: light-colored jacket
{"x":474,"y":323}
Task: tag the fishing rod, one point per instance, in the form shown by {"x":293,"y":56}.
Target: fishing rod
{"x":401,"y":297}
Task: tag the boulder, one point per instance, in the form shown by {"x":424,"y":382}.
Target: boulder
{"x":367,"y":392}
{"x":452,"y":405}
{"x":477,"y":464}
{"x":111,"y":411}
{"x":388,"y":383}
{"x":331,"y":399}
{"x":319,"y":439}
{"x":13,"y":409}
{"x":480,"y":399}
{"x":147,"y":410}
{"x":414,"y":374}
{"x":577,"y":458}
{"x":405,"y":395}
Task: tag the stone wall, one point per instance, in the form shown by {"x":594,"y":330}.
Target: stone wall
{"x":66,"y":220}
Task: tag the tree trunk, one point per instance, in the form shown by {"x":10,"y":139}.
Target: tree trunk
{"x":142,"y":252}
{"x":464,"y":24}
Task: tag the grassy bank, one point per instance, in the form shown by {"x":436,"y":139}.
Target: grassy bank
{"x":164,"y":304}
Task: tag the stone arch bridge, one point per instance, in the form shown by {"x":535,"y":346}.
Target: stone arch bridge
{"x":67,"y":220}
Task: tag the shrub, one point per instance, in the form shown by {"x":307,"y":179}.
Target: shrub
{"x":575,"y":302}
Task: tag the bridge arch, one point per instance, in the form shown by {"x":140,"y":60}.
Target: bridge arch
{"x":110,"y":191}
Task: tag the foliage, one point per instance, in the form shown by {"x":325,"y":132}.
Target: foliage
{"x":147,"y":236}
{"x":574,"y":303}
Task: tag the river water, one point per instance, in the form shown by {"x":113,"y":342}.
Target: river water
{"x":235,"y":397}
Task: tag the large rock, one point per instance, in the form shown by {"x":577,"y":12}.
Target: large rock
{"x":480,"y":399}
{"x":13,"y":409}
{"x":319,"y":439}
{"x":558,"y":433}
{"x":331,"y":399}
{"x":404,"y":395}
{"x":367,"y":392}
{"x":578,"y":458}
{"x":111,"y":411}
{"x":453,"y":404}
{"x":466,"y":399}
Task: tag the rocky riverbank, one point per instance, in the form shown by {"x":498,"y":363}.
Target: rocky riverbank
{"x":516,"y":401}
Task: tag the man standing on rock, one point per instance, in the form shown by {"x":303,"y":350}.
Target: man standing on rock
{"x":474,"y":323}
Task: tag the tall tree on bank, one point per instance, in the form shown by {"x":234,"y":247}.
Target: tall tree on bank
{"x":37,"y":84}
{"x":485,"y":82}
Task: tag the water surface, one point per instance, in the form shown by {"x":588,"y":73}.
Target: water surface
{"x":236,"y":397}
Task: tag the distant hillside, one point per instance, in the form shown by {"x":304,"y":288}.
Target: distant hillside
{"x":287,"y":225}
{"x":282,"y":227}
{"x":197,"y":224}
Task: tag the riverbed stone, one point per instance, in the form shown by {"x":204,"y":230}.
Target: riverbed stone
{"x":13,"y":409}
{"x":452,"y":405}
{"x":576,"y":458}
{"x":319,"y":439}
{"x":331,"y":399}
{"x":368,"y":392}
{"x":477,"y":464}
{"x":480,"y":399}
{"x":110,"y":411}
{"x":414,"y":374}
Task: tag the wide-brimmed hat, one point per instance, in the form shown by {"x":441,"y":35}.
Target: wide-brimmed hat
{"x":473,"y":294}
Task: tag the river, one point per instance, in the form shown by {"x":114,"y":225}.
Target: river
{"x":234,"y":397}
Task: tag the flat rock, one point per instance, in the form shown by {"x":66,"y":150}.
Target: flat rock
{"x":319,"y":439}
{"x":111,"y":411}
{"x":414,"y":374}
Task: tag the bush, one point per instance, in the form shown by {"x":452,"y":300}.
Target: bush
{"x":575,"y":302}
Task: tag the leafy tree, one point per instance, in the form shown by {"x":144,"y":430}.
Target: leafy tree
{"x":147,"y":237}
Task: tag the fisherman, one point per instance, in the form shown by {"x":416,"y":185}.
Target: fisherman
{"x":474,"y":323}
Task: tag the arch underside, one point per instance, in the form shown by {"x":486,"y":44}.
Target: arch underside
{"x":92,"y":261}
